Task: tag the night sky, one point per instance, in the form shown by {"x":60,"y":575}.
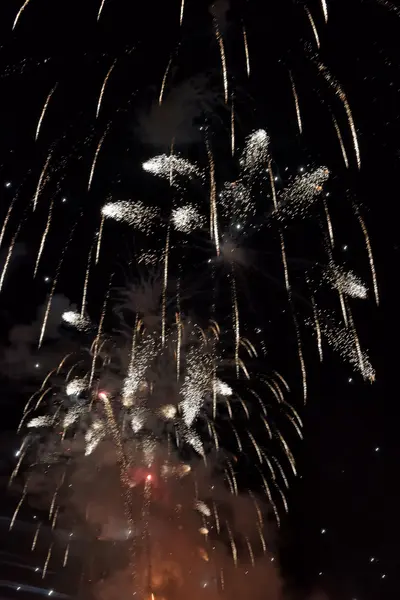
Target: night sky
{"x":341,"y":536}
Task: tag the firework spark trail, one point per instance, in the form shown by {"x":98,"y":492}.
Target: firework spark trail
{"x":19,"y":13}
{"x":342,"y":146}
{"x":284,"y":262}
{"x":272,"y":182}
{"x":96,"y":154}
{"x":325,"y":10}
{"x":103,"y":87}
{"x":66,"y":554}
{"x":236,"y":323}
{"x":233,"y":125}
{"x":46,"y":563}
{"x":23,"y":496}
{"x":312,"y":23}
{"x":296,"y":101}
{"x":182,"y":12}
{"x":10,"y":251}
{"x":96,"y":344}
{"x":343,"y":308}
{"x":301,"y":356}
{"x":317,"y":329}
{"x":35,"y":537}
{"x":220,"y":41}
{"x":100,"y":237}
{"x":100,"y":9}
{"x":44,"y":111}
{"x":164,"y":81}
{"x":53,"y":287}
{"x":42,"y":179}
{"x":341,"y":94}
{"x":44,"y":236}
{"x":329,"y":223}
{"x":370,"y":257}
{"x":246,"y":51}
{"x":165,"y":284}
{"x":7,"y":218}
{"x":86,"y":282}
{"x":213,"y":199}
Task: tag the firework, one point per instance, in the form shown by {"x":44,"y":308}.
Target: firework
{"x":255,"y":154}
{"x":312,"y":23}
{"x":246,"y":50}
{"x":19,"y":13}
{"x":296,"y":101}
{"x":42,"y":179}
{"x":103,"y":87}
{"x":303,"y":192}
{"x":165,"y":164}
{"x":136,"y":214}
{"x":221,"y":46}
{"x":346,"y":282}
{"x":187,"y":218}
{"x":44,"y":111}
{"x":96,"y":155}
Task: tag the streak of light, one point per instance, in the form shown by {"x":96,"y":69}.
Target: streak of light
{"x":314,"y":28}
{"x":42,"y":179}
{"x":356,"y":340}
{"x":216,"y":517}
{"x":54,"y":521}
{"x":44,"y":237}
{"x":44,"y":110}
{"x":262,"y":539}
{"x":236,"y":322}
{"x":165,"y":284}
{"x":342,"y":147}
{"x":22,"y":453}
{"x":86,"y":282}
{"x":342,"y":95}
{"x":35,"y":537}
{"x":233,"y":545}
{"x":7,"y":218}
{"x":98,"y":336}
{"x":164,"y":81}
{"x":100,"y":9}
{"x":233,"y":126}
{"x":329,"y":223}
{"x":301,"y":356}
{"x":251,"y":553}
{"x":53,"y":287}
{"x":182,"y":12}
{"x":256,"y":447}
{"x":18,"y":507}
{"x":100,"y":237}
{"x":272,"y":181}
{"x":96,"y":155}
{"x":325,"y":10}
{"x":9,"y":253}
{"x":284,"y":262}
{"x":66,"y":554}
{"x":103,"y":87}
{"x":179,"y":331}
{"x":220,"y":41}
{"x":296,"y":102}
{"x":246,"y":51}
{"x":317,"y":329}
{"x":19,"y":13}
{"x":343,"y":307}
{"x":46,"y":563}
{"x":213,"y":199}
{"x":370,"y":257}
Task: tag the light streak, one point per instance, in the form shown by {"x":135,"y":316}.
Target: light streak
{"x":164,"y":81}
{"x":42,"y":179}
{"x":370,"y":257}
{"x":96,"y":155}
{"x":246,"y":51}
{"x":312,"y":23}
{"x":19,"y":13}
{"x":103,"y":87}
{"x":44,"y":111}
{"x":100,"y":237}
{"x":220,"y":41}
{"x":44,"y":236}
{"x":297,"y":105}
{"x":342,"y":146}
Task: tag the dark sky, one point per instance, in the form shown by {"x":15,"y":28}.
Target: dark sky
{"x":343,"y":530}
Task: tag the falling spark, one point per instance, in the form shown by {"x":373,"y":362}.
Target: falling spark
{"x":315,"y":31}
{"x":46,"y":564}
{"x":329,"y":223}
{"x":246,"y":50}
{"x":272,"y":182}
{"x":35,"y":537}
{"x":18,"y":507}
{"x":233,"y":545}
{"x":25,"y":4}
{"x":296,"y":101}
{"x":220,"y":41}
{"x":41,"y":179}
{"x":99,"y":239}
{"x":301,"y":356}
{"x":317,"y":329}
{"x":100,"y":9}
{"x":164,"y":80}
{"x":165,"y":284}
{"x":339,"y":135}
{"x":53,"y":288}
{"x":86,"y":282}
{"x":284,"y":262}
{"x":233,"y":126}
{"x":370,"y":257}
{"x":66,"y":556}
{"x":341,"y":94}
{"x":103,"y":87}
{"x":325,"y":10}
{"x":44,"y":111}
{"x":44,"y":236}
{"x":9,"y":253}
{"x":236,"y":326}
{"x":96,"y":154}
{"x":7,"y":218}
{"x":213,"y":199}
{"x":182,"y":11}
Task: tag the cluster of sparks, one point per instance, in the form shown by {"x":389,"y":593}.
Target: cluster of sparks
{"x":167,"y":382}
